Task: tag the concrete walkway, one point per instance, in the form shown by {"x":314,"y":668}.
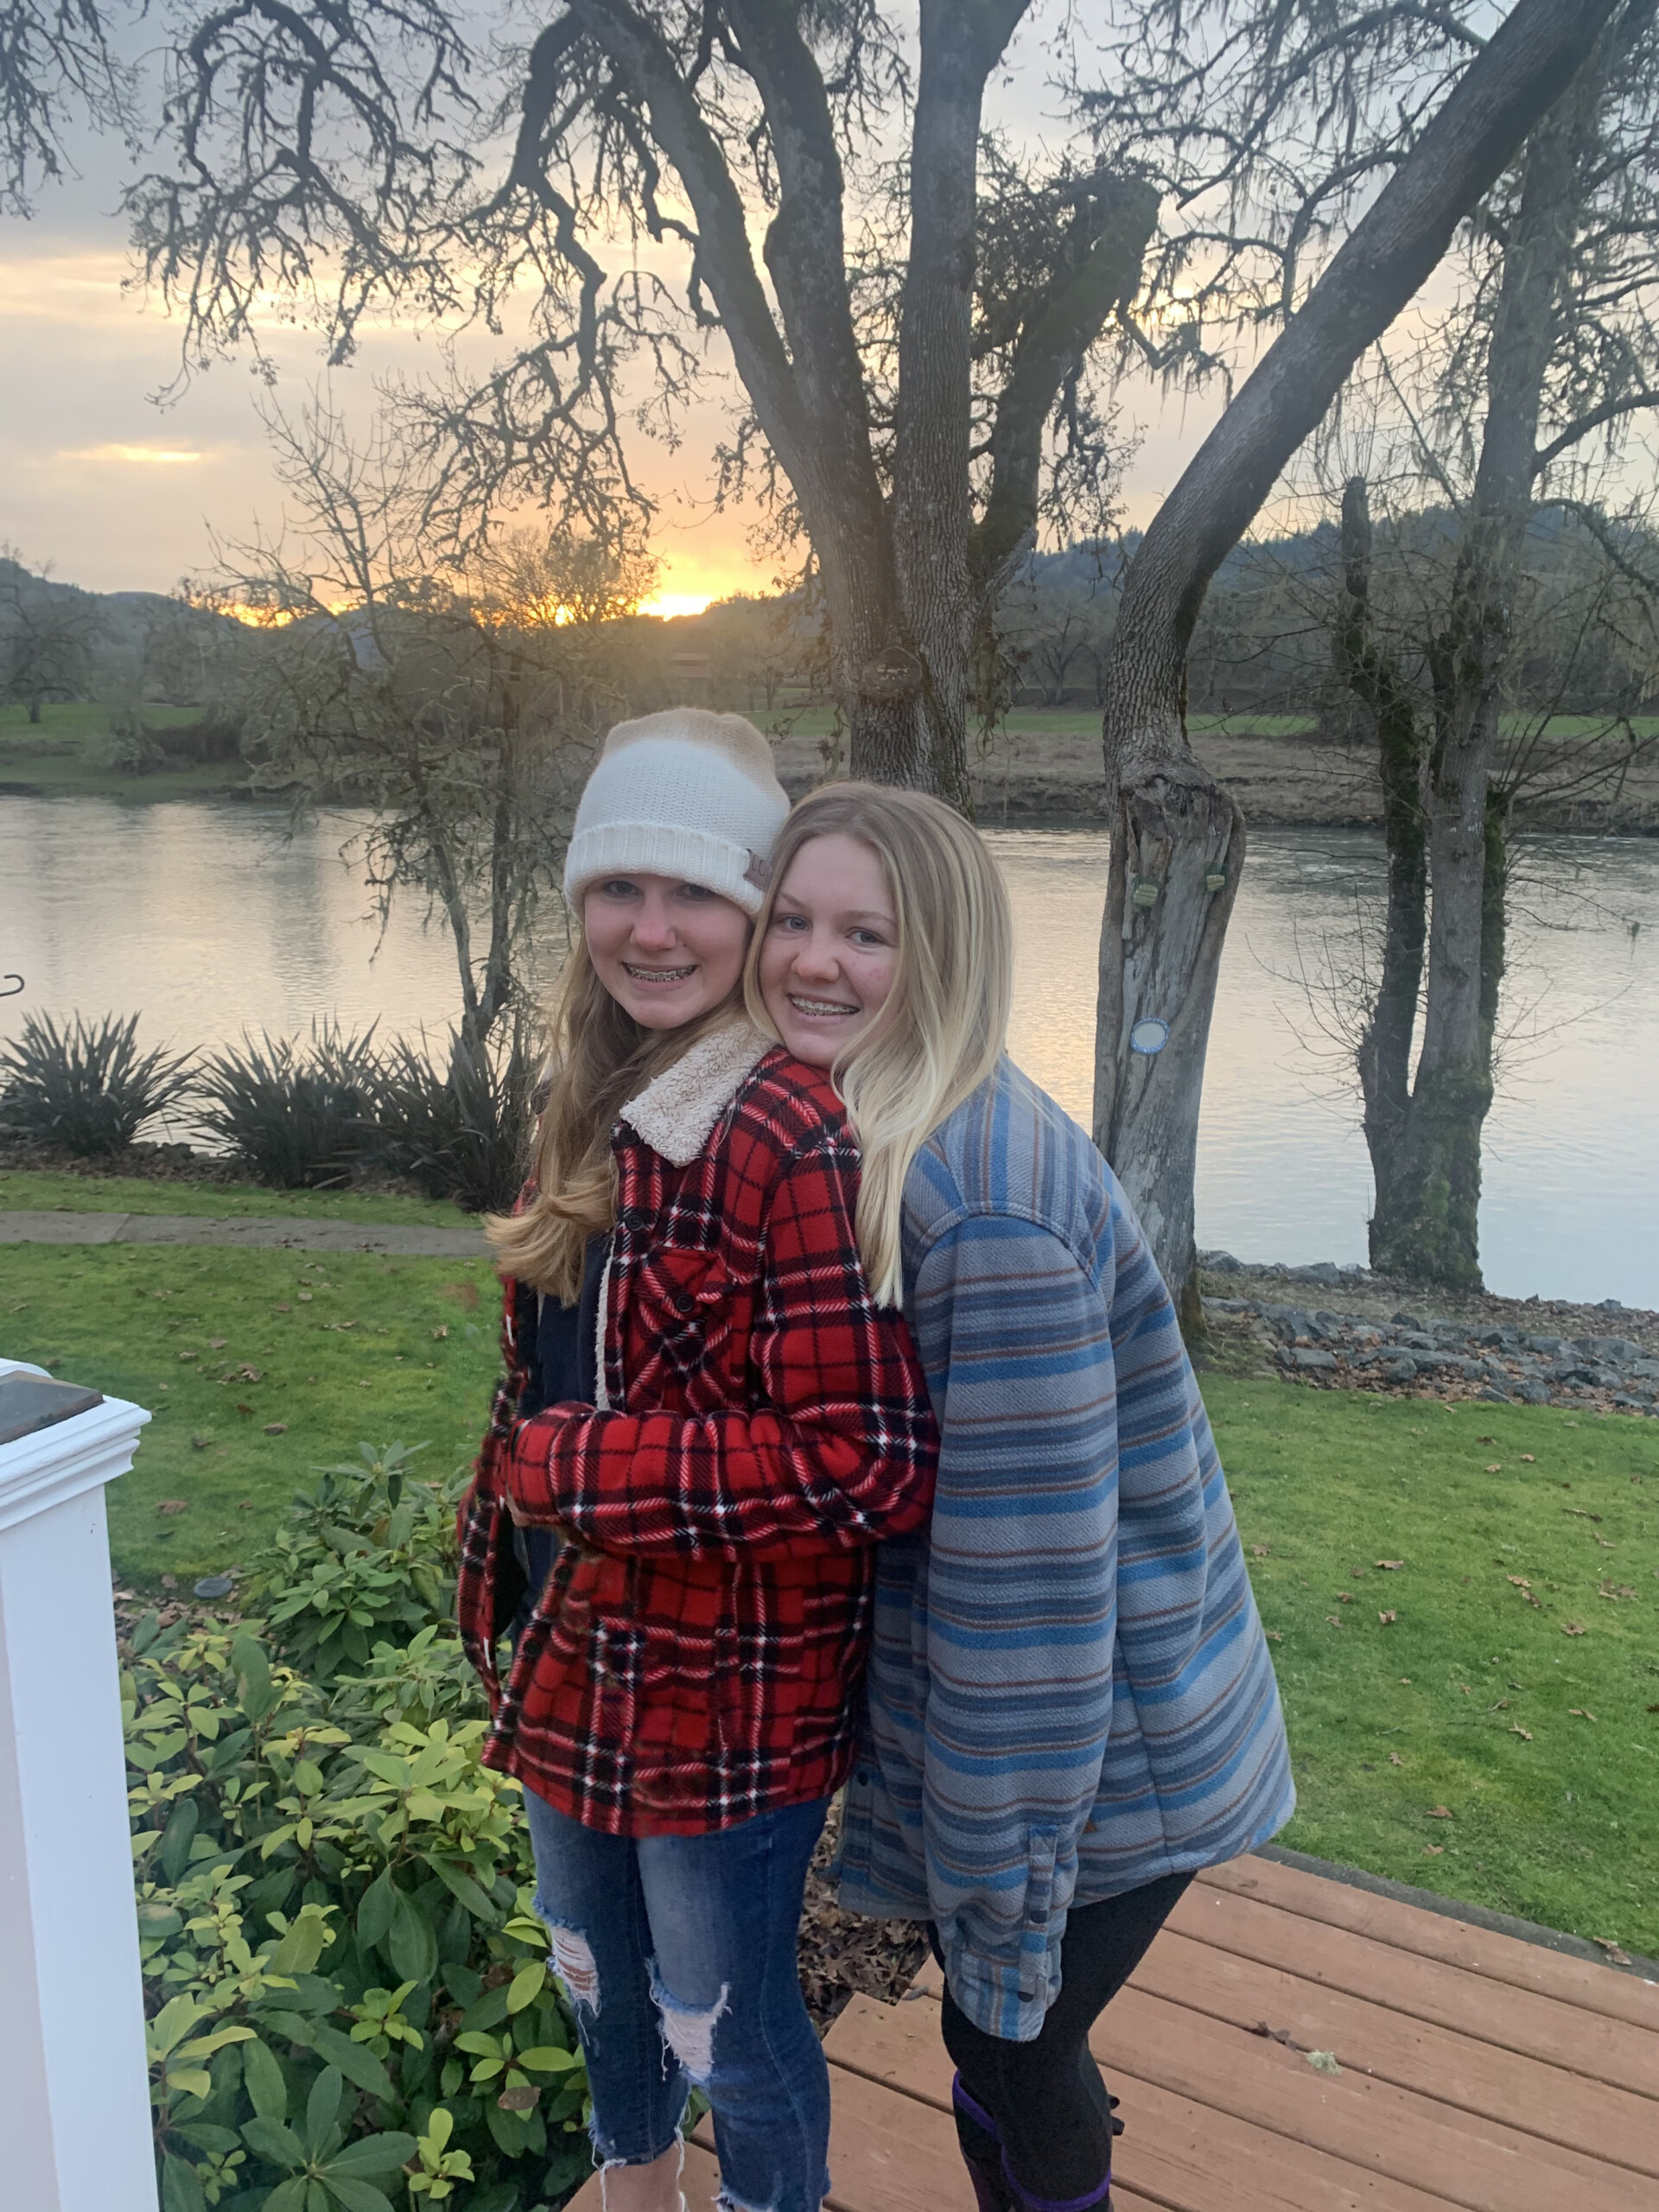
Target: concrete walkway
{"x":396,"y":1239}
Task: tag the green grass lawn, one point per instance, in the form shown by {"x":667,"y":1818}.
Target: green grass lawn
{"x":1472,"y":1699}
{"x":27,"y":1190}
{"x":223,"y":1345}
{"x":67,"y":753}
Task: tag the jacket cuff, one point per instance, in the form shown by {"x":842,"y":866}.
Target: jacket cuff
{"x":525,"y":1477}
{"x":1007,"y":2001}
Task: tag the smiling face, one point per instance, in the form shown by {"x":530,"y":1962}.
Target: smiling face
{"x":830,"y":956}
{"x":666,"y":951}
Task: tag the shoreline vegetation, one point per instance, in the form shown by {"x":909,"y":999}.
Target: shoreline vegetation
{"x":1043,"y":768}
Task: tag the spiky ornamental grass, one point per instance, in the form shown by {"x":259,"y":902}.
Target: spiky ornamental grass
{"x":299,"y":1116}
{"x":86,"y":1086}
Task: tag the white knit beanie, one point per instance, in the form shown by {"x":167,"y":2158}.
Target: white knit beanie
{"x":684,"y":793}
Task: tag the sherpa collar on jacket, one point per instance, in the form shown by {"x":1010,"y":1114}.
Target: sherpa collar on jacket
{"x":677,"y":1111}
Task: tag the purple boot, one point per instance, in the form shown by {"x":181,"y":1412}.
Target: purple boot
{"x":995,"y":2186}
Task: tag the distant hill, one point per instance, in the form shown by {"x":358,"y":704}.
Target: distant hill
{"x":61,"y":643}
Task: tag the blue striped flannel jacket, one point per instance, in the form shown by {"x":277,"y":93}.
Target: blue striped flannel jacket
{"x":1070,"y":1692}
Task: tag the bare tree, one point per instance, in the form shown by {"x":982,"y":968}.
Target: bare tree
{"x":1528,"y":593}
{"x":1179,"y":839}
{"x":47,"y":634}
{"x":1566,"y":346}
{"x":464,"y":708}
{"x":58,"y":65}
{"x":900,"y":405}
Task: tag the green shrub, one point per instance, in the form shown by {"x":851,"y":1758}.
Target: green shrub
{"x":460,"y":1131}
{"x":297,"y":1116}
{"x":366,"y":1558}
{"x":85,"y":1087}
{"x":349,"y":2006}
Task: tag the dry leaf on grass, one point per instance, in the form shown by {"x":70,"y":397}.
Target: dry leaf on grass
{"x":1391,"y":1566}
{"x":1433,"y":1851}
{"x":1515,"y":1729}
{"x":1572,"y":1628}
{"x":1615,"y":1590}
{"x":1395,"y":1759}
{"x":173,"y":1505}
{"x":1440,"y":1812}
{"x":275,"y":1428}
{"x":1387,"y":1620}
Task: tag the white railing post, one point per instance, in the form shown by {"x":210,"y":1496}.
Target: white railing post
{"x":74,"y":2103}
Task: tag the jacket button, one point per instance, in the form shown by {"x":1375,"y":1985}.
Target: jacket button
{"x":862,"y":1777}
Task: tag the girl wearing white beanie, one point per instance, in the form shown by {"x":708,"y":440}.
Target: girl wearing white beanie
{"x":705,"y":1426}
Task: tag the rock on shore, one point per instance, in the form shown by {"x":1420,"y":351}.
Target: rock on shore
{"x":1348,"y":1329}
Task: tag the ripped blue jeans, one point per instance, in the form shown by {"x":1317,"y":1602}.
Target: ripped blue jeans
{"x":679,"y":1954}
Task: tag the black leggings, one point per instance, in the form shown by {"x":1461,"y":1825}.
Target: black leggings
{"x":1046,"y":2099}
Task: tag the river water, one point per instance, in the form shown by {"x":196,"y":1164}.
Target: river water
{"x":207,"y":920}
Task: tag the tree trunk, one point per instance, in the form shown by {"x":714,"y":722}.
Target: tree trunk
{"x":1383,"y":1057}
{"x":1146,"y":1116}
{"x":931,"y":514}
{"x":1179,"y":839}
{"x":34,"y":707}
{"x":1428,"y":1230}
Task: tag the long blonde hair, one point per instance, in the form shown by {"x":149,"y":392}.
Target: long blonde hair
{"x":942,"y":1031}
{"x":599,"y":1057}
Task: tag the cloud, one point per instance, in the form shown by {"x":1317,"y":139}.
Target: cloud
{"x":137,"y":456}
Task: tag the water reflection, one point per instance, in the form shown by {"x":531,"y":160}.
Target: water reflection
{"x":209,"y":919}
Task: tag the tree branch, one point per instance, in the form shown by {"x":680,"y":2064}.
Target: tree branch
{"x":1610,"y":412}
{"x":1514,"y":78}
{"x":805,"y":250}
{"x":640,"y":54}
{"x":1079,"y":300}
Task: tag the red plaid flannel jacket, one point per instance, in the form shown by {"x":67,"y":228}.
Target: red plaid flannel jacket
{"x":693,"y":1657}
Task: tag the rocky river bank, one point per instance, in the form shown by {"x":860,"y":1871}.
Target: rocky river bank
{"x":1341,"y":1328}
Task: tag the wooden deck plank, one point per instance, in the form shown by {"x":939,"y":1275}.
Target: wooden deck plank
{"x":1179,"y":2151}
{"x":1506,"y":1959}
{"x":1481,"y":2073}
{"x":699,"y":2184}
{"x":1476,"y":2163}
{"x":890,"y":2153}
{"x":1522,"y":2093}
{"x":1425,"y":1988}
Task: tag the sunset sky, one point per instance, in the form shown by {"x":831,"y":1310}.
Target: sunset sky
{"x":114,"y":492}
